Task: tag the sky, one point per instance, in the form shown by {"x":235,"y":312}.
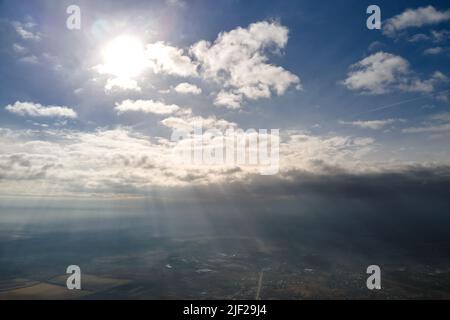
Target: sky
{"x":98,"y":112}
{"x":89,"y":113}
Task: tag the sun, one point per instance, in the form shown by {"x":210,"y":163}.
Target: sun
{"x":124,"y":57}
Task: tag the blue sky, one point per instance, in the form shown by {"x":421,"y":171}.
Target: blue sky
{"x":342,"y":95}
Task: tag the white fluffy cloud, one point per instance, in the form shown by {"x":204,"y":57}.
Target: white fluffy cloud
{"x":37,"y":110}
{"x":238,"y":59}
{"x":164,"y":58}
{"x":383,"y":72}
{"x":122,"y":84}
{"x":188,"y":88}
{"x":146,"y":106}
{"x":229,"y":100}
{"x":411,"y":18}
{"x":376,"y":73}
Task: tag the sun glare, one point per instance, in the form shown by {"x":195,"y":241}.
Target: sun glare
{"x":124,"y":57}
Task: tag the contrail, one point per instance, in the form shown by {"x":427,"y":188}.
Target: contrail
{"x":385,"y":107}
{"x":394,"y":104}
{"x":258,"y":290}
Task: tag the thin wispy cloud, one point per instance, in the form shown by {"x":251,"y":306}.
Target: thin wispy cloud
{"x":370,"y":124}
{"x":26,"y":30}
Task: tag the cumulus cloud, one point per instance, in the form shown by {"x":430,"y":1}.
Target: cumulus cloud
{"x":414,"y":18}
{"x":228,"y":100}
{"x":37,"y":110}
{"x":239,"y":60}
{"x":370,"y":124}
{"x":122,"y":84}
{"x":164,"y":58}
{"x":146,"y":106}
{"x":376,"y":73}
{"x":188,"y":88}
{"x":384,"y":72}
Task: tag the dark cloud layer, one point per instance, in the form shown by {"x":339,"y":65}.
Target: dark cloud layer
{"x":398,"y":215}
